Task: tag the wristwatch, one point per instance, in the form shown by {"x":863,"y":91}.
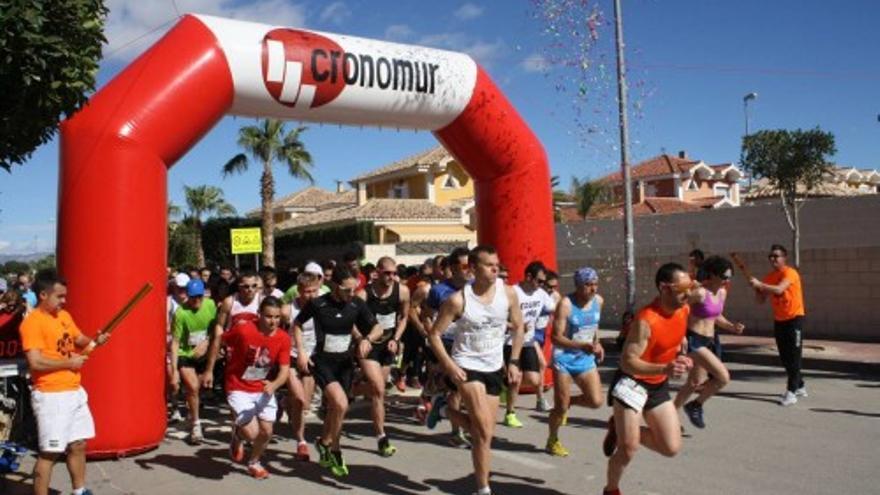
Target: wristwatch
{"x":514,"y":362}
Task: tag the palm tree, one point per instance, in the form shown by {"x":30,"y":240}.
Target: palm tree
{"x":586,"y":194}
{"x":268,"y":143}
{"x":204,"y":200}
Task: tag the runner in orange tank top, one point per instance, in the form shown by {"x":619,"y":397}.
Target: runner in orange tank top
{"x":651,"y":354}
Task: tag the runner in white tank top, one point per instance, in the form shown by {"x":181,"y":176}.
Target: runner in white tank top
{"x":533,"y":302}
{"x":243,"y":305}
{"x":481,"y":330}
{"x":300,"y":385}
{"x":476,"y":365}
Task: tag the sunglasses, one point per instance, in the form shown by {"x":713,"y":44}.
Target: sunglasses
{"x":245,"y":286}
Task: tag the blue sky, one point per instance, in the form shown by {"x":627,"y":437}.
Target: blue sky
{"x":691,"y":62}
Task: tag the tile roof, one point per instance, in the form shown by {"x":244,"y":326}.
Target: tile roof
{"x":377,"y":209}
{"x":658,"y":165}
{"x":312,"y":197}
{"x":425,"y":158}
{"x":651,"y":206}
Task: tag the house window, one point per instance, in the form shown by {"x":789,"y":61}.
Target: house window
{"x":451,"y":182}
{"x":651,"y":190}
{"x":721,"y":190}
{"x":399,"y":190}
{"x":693,"y":186}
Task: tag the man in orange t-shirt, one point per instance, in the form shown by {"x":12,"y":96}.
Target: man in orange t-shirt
{"x":651,"y":354}
{"x":54,"y":348}
{"x":783,"y":284}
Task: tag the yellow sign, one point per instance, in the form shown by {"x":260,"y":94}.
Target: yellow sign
{"x":246,"y":241}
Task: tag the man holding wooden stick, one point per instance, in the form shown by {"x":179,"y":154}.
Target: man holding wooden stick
{"x":55,"y":349}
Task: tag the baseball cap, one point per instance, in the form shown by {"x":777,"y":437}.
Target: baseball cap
{"x":314,"y":268}
{"x":585,"y":275}
{"x":181,"y":280}
{"x":195,"y":288}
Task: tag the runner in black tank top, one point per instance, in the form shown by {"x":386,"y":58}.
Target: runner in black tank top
{"x":389,"y":302}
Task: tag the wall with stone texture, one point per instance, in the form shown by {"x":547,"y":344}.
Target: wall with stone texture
{"x":840,"y":259}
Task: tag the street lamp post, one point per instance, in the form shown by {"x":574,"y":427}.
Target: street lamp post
{"x":629,"y":249}
{"x":746,"y":99}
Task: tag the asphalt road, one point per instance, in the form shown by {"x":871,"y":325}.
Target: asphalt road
{"x":825,"y":444}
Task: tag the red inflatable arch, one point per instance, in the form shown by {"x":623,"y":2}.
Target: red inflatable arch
{"x":116,"y":152}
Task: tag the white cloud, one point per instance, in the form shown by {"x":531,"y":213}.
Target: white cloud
{"x":398,"y":32}
{"x":336,"y":13}
{"x":4,"y":245}
{"x":133,"y":25}
{"x":468,"y":11}
{"x":484,"y":52}
{"x":535,"y":63}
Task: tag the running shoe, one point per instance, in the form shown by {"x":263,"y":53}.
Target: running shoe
{"x":176,"y":417}
{"x":337,"y":464}
{"x":385,"y":447}
{"x":257,"y":471}
{"x":302,"y":452}
{"x":511,"y":421}
{"x":434,"y":414}
{"x":609,"y":445}
{"x":459,"y":440}
{"x":788,"y":399}
{"x":694,"y":412}
{"x":400,"y":383}
{"x":554,"y":447}
{"x":325,"y":458}
{"x":195,"y":435}
{"x":542,"y":405}
{"x":611,"y":492}
{"x":801,"y":392}
{"x":236,"y":447}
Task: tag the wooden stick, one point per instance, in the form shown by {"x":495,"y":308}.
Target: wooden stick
{"x":118,"y":317}
{"x":741,"y":265}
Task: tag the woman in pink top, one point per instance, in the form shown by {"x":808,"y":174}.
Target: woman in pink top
{"x":709,"y":375}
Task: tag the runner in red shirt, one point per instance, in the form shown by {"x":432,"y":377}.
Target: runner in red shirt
{"x":257,"y":366}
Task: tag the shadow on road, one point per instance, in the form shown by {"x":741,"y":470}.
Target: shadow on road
{"x":522,"y":486}
{"x":845,"y":411}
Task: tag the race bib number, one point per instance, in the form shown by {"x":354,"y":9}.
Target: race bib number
{"x":337,"y":344}
{"x":487,"y":341}
{"x":197,"y":338}
{"x":387,"y":321}
{"x":254,"y":373}
{"x":630,"y":393}
{"x":584,"y":334}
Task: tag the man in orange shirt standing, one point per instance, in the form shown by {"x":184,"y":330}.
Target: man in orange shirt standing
{"x":783,"y":284}
{"x":55,"y":350}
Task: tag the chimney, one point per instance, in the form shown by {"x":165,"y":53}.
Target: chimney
{"x":683,"y":154}
{"x":340,"y":186}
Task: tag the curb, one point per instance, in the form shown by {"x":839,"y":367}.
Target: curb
{"x":809,"y":363}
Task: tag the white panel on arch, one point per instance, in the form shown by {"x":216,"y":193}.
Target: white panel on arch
{"x":307,"y":75}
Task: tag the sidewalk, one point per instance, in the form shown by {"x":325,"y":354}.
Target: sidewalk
{"x":824,"y":355}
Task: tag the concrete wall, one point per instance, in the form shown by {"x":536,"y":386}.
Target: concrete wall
{"x":840,"y":259}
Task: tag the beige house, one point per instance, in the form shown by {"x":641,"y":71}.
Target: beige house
{"x":421,"y":201}
{"x":839,"y":182}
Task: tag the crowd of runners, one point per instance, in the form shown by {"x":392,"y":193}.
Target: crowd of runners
{"x":452,"y":328}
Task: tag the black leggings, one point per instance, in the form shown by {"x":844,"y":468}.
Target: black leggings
{"x":788,"y":341}
{"x":413,"y":352}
